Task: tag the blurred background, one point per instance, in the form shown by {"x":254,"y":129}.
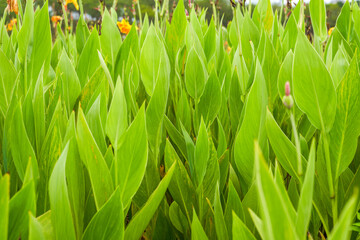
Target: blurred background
{"x":125,"y":8}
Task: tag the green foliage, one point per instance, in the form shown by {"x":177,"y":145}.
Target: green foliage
{"x":176,"y":129}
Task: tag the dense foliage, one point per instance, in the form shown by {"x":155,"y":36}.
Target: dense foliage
{"x":181,"y":128}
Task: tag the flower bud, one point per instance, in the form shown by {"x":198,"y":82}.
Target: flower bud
{"x":287,"y":88}
{"x":288,"y":101}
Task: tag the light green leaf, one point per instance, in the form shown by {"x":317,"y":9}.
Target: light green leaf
{"x":108,"y":222}
{"x":110,"y":38}
{"x":88,"y":60}
{"x":210,"y":101}
{"x":68,"y":81}
{"x":195,"y":75}
{"x":41,"y":46}
{"x":154,"y":62}
{"x":116,"y":122}
{"x":342,"y":228}
{"x":131,"y":158}
{"x":197,"y":231}
{"x":305,"y":202}
{"x":252,"y":127}
{"x":239,"y":229}
{"x":142,"y":218}
{"x":92,"y":158}
{"x":314,"y":89}
{"x":59,"y":200}
{"x":201,"y":154}
{"x":220,"y":225}
{"x":7,"y":82}
{"x":19,"y":137}
{"x":23,"y":202}
{"x":25,"y":34}
{"x":4,"y":203}
{"x":318,"y":18}
{"x":36,"y":231}
{"x":346,"y":130}
{"x":277,"y":221}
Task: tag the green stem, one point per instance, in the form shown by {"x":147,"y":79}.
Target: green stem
{"x":139,"y":10}
{"x":297,"y":144}
{"x":156,"y":14}
{"x":214,"y":12}
{"x":329,"y":175}
{"x":114,"y":4}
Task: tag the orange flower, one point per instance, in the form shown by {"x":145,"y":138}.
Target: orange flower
{"x":76,"y":5}
{"x":11,"y":24}
{"x":124,"y":26}
{"x":56,"y":19}
{"x":330,"y":31}
{"x":12,"y":6}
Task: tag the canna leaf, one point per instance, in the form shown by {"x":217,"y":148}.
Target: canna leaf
{"x":314,"y":90}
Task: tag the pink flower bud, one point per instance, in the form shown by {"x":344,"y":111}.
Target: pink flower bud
{"x":189,"y":3}
{"x":287,"y":88}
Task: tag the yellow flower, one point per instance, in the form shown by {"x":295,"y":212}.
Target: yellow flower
{"x":11,"y":24}
{"x":76,"y":5}
{"x":124,"y":26}
{"x":12,"y":6}
{"x":330,"y":31}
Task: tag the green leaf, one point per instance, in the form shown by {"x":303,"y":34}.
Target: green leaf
{"x":195,"y":75}
{"x":266,"y":14}
{"x":38,"y":102}
{"x":154,"y":63}
{"x":88,"y":60}
{"x":283,"y":148}
{"x":92,"y":158}
{"x":339,"y":65}
{"x":177,"y":218}
{"x":4,"y":203}
{"x":110,"y":38}
{"x":197,"y":231}
{"x":346,"y":130}
{"x":59,"y":200}
{"x":210,"y":101}
{"x":318,"y":18}
{"x":240,"y":71}
{"x":41,"y":46}
{"x":233,"y":207}
{"x":131,"y":158}
{"x":342,"y":228}
{"x":116,"y":122}
{"x":82,"y":34}
{"x":142,"y":218}
{"x":181,"y":187}
{"x":252,"y":127}
{"x":314,"y":89}
{"x":201,"y":154}
{"x":23,"y":202}
{"x":25,"y":34}
{"x":108,"y":222}
{"x":36,"y":230}
{"x":220,"y":225}
{"x":157,"y":106}
{"x":75,"y":177}
{"x":175,"y":34}
{"x":68,"y":81}
{"x":19,"y":137}
{"x":305,"y":202}
{"x":277,"y":221}
{"x":7,"y":82}
{"x":239,"y":229}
